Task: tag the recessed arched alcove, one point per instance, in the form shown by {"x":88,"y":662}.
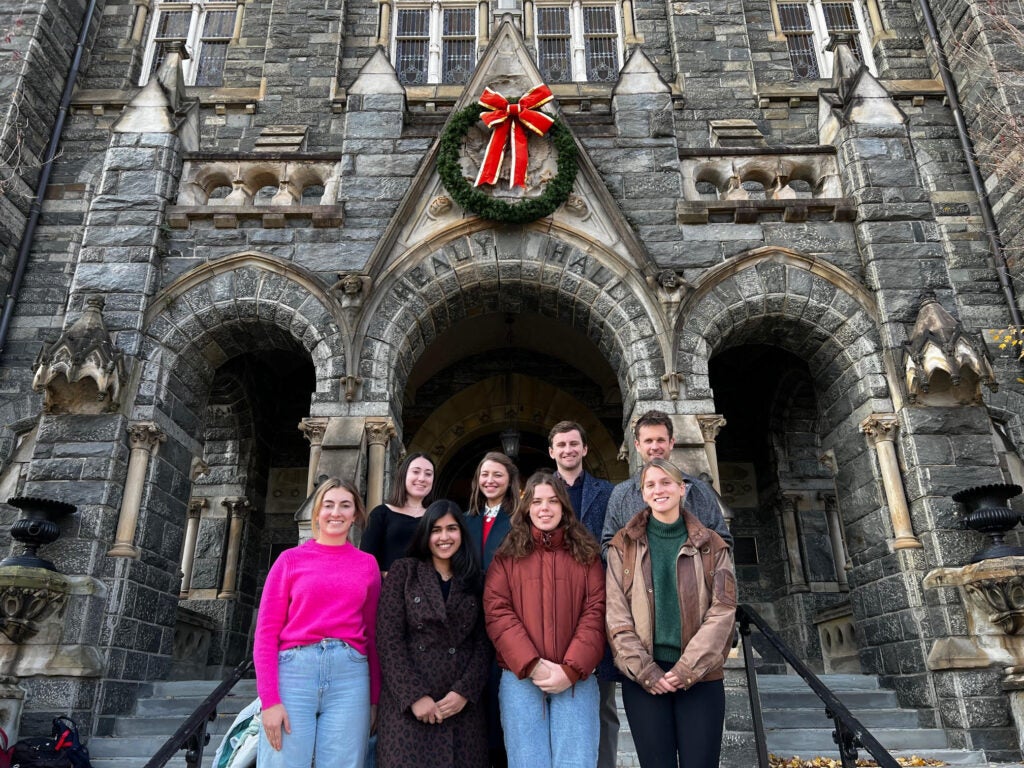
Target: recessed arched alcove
{"x":501,"y":371}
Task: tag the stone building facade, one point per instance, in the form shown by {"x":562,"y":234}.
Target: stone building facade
{"x":246,"y":273}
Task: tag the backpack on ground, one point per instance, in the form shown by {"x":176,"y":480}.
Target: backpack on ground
{"x":62,"y":749}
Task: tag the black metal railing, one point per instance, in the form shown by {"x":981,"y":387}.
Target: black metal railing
{"x":849,"y":734}
{"x":191,"y":735}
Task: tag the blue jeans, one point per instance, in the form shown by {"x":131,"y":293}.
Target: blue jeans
{"x":543,"y":731}
{"x":325,"y":689}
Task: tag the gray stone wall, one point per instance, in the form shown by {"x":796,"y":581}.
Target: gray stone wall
{"x":838,"y":287}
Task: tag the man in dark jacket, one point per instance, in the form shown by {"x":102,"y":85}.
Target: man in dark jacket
{"x":567,"y":445}
{"x":652,"y":438}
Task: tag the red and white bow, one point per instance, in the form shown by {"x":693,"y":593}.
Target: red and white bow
{"x":506,"y":119}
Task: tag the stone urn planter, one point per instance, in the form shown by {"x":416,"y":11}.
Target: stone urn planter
{"x":989,"y":512}
{"x":37,"y":526}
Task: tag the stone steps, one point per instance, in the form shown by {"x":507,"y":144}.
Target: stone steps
{"x":796,"y":724}
{"x":794,"y":718}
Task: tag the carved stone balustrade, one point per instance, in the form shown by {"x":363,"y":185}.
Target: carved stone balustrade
{"x":748,"y":185}
{"x":227,"y":189}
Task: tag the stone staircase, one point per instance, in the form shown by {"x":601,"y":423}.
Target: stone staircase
{"x":794,"y":720}
{"x":796,"y":725}
{"x":158,"y":714}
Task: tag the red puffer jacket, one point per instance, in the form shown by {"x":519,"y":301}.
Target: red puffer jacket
{"x":546,"y":605}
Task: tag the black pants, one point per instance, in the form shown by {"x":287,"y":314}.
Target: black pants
{"x":676,"y":730}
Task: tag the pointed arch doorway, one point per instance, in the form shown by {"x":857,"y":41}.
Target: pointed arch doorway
{"x":515,"y":373}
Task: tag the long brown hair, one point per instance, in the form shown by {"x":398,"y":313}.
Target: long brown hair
{"x":399,"y":494}
{"x":519,"y":541}
{"x":476,"y":496}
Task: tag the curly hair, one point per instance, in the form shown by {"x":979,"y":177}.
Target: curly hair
{"x":578,"y":540}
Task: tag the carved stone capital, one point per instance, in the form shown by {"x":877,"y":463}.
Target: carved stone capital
{"x":145,"y":434}
{"x":313,"y":429}
{"x":196,"y":505}
{"x":880,"y":427}
{"x":379,"y":432}
{"x":237,"y":507}
{"x":710,"y":424}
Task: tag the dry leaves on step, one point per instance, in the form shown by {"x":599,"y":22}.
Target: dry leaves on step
{"x":827,"y":762}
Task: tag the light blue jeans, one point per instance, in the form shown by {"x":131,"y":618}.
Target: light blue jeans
{"x":325,"y":689}
{"x":543,"y":731}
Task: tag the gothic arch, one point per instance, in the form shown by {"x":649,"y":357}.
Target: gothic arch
{"x":512,"y":271}
{"x":241,"y":303}
{"x":802,"y":304}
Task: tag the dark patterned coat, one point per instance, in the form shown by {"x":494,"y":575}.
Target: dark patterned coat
{"x":428,"y":647}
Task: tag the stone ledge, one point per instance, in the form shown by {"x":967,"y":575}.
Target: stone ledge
{"x":99,"y":100}
{"x":750,"y":211}
{"x":271,"y":216}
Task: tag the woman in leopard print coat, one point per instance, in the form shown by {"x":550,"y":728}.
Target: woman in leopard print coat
{"x":434,"y":652}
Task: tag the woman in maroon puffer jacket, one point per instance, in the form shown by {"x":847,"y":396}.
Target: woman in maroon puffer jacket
{"x":544,"y":608}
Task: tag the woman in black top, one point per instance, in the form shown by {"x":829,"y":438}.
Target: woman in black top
{"x":392,"y":525}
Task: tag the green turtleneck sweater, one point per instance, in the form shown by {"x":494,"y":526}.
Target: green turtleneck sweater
{"x":665,"y":542}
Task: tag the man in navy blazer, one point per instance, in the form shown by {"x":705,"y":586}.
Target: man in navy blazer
{"x":567,"y":445}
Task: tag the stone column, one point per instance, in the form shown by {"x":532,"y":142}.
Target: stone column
{"x":788,"y":506}
{"x":378,"y":433}
{"x":384,"y":24}
{"x":840,"y":557}
{"x":710,"y":424}
{"x":313,"y":430}
{"x":188,"y":554}
{"x":880,"y":429}
{"x":483,"y":16}
{"x":139,"y":23}
{"x":238,"y":509}
{"x":628,"y":28}
{"x":145,"y":438}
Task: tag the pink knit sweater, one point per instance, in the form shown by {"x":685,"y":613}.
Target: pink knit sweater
{"x":313,"y":592}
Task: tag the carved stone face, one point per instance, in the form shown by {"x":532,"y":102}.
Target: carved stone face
{"x":668,"y":280}
{"x":351,"y":285}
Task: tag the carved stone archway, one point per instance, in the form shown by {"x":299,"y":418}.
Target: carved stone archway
{"x":522,"y":271}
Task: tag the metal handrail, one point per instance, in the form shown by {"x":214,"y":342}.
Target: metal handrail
{"x":849,"y":735}
{"x":191,"y":735}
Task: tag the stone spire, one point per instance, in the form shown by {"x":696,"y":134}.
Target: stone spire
{"x":938,"y":343}
{"x":83,"y":371}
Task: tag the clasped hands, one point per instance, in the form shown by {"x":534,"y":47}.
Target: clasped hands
{"x":550,"y":677}
{"x":668,"y":683}
{"x":431,"y":712}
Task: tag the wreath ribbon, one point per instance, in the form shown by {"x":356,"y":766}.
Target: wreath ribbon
{"x":511,"y":121}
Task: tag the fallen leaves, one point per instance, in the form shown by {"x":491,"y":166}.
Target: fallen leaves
{"x":827,"y":762}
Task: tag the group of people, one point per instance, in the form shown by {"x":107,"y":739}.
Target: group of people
{"x":486,"y":639}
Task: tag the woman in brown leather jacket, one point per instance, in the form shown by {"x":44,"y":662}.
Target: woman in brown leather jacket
{"x":544,"y":609}
{"x":671,"y":592}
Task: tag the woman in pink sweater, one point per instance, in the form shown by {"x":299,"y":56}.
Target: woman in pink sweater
{"x":316,"y":659}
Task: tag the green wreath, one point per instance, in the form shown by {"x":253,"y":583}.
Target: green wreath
{"x":473,"y":200}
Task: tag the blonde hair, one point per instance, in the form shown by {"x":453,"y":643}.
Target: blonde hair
{"x":318,"y":499}
{"x":669,"y":469}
